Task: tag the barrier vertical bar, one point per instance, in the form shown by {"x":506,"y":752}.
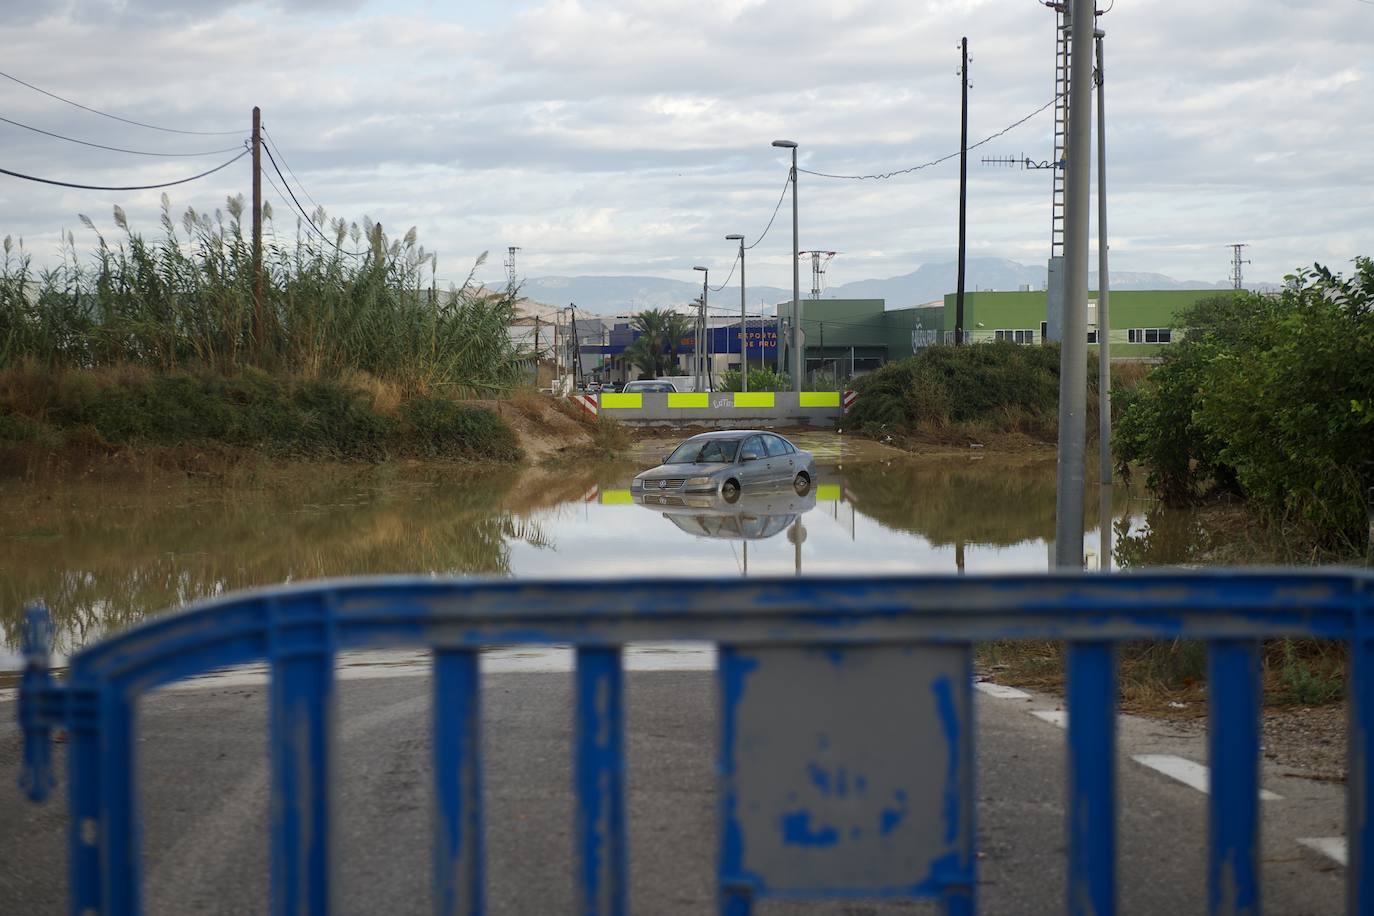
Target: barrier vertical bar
{"x":599,"y":783}
{"x":84,"y":806}
{"x":1091,"y":800}
{"x":1359,"y":817}
{"x":1233,"y":737}
{"x":119,"y":823}
{"x":458,"y":841}
{"x":302,"y":728}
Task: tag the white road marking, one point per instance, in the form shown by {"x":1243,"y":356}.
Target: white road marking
{"x":1053,"y":716}
{"x":1187,"y":772}
{"x":1330,"y":846}
{"x":1001,"y":691}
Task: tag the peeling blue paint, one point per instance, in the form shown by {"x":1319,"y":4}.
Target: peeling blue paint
{"x":819,"y":778}
{"x":949,"y":721}
{"x":797,"y":831}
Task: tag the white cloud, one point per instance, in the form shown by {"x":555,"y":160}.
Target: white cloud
{"x":629,"y":136}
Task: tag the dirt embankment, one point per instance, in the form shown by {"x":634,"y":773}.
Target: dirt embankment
{"x":544,"y":432}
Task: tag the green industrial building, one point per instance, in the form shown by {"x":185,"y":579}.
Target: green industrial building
{"x":853,"y":336}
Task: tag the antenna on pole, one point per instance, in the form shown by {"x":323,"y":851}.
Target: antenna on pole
{"x":820,"y":260}
{"x":1237,"y":278}
{"x":510,"y":263}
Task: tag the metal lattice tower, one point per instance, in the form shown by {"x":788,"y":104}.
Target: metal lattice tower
{"x":510,"y":264}
{"x":819,"y":261}
{"x":1237,"y":278}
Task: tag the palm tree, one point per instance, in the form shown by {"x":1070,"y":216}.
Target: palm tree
{"x":652,"y":325}
{"x":676,"y":327}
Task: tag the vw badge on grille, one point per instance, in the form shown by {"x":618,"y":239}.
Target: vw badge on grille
{"x":663,"y":484}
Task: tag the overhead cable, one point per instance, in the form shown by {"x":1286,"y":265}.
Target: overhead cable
{"x":926,"y":165}
{"x":135,"y":187}
{"x":117,"y":149}
{"x":781,"y":198}
{"x":105,"y":114}
{"x":290,"y":171}
{"x":716,"y":289}
{"x":301,"y":210}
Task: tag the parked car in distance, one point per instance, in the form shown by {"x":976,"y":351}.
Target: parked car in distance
{"x":649,"y":386}
{"x":729,"y":462}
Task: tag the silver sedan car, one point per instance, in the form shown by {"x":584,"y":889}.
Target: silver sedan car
{"x":729,"y":462}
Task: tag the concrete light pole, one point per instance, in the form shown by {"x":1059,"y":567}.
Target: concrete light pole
{"x":1104,"y":325}
{"x":743,"y":319}
{"x":700,"y":347}
{"x":1073,"y":357}
{"x":798,"y":356}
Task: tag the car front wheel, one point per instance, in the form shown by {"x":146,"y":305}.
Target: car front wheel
{"x":729,"y":490}
{"x":801,"y":484}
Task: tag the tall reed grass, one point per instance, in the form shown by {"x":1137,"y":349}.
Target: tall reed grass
{"x":351,"y":300}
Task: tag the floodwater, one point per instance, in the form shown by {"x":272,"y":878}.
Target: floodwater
{"x":105,"y":556}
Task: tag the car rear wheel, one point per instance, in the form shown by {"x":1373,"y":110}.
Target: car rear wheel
{"x":729,"y":490}
{"x":801,"y":484}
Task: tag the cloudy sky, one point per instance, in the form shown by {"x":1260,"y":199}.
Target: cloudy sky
{"x":629,"y":137}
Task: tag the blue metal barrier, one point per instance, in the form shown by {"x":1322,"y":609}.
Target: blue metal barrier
{"x":816,"y":800}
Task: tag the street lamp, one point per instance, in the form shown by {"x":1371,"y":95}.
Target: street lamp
{"x":798,"y":358}
{"x":701,"y":324}
{"x":743,"y":321}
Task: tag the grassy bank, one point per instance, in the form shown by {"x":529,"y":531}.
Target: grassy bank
{"x":64,"y":416}
{"x":976,"y":392}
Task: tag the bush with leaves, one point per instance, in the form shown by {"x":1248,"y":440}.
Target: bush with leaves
{"x":759,"y":380}
{"x":1270,"y":395}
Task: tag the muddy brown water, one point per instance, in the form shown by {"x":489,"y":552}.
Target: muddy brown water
{"x":105,"y":556}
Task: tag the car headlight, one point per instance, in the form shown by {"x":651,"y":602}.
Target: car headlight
{"x":698,"y":482}
{"x":637,"y":482}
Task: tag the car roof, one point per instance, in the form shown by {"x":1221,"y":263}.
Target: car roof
{"x":734,"y":434}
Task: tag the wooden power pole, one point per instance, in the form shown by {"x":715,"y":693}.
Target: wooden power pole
{"x":259,"y":325}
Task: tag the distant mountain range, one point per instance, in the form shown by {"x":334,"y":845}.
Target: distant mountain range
{"x":621,"y":295}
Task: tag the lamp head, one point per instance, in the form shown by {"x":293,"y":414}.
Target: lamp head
{"x":700,"y":268}
{"x":734,"y":238}
{"x":785,"y":144}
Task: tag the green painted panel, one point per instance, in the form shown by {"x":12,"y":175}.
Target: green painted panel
{"x":753,"y":399}
{"x":689,"y":399}
{"x":616,"y":497}
{"x":632,"y":401}
{"x":820,"y":399}
{"x":828,"y":493}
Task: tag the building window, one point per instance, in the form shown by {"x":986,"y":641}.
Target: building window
{"x":1092,"y":337}
{"x":1014,"y":336}
{"x":1150,"y":335}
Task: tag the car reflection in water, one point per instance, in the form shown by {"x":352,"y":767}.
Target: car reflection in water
{"x":753,"y":516}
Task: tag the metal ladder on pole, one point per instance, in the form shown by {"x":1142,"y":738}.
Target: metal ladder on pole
{"x":1061,"y":128}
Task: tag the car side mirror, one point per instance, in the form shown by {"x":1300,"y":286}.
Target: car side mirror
{"x":751,"y":457}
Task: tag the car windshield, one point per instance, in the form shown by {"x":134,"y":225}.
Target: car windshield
{"x":704,"y":451}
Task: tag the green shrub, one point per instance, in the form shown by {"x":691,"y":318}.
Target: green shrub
{"x":759,"y":380}
{"x":438,"y":427}
{"x":1271,"y":396}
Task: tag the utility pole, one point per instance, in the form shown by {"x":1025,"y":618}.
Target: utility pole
{"x":510,"y":264}
{"x":701,"y":345}
{"x":1237,"y":279}
{"x":576,"y":348}
{"x":798,"y":354}
{"x":1104,"y":324}
{"x":1073,"y":357}
{"x":259,"y":321}
{"x":536,"y":349}
{"x":963,"y":192}
{"x":743,"y":320}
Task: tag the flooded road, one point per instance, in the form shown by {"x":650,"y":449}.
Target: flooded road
{"x":104,"y":556}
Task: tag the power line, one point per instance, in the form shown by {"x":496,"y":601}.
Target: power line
{"x":926,"y":165}
{"x":781,"y":198}
{"x":301,"y":210}
{"x":716,"y":289}
{"x":116,"y":149}
{"x":300,"y":184}
{"x":104,"y":114}
{"x":136,"y":187}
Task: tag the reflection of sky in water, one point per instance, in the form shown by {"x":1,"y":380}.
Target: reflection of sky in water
{"x":619,"y":541}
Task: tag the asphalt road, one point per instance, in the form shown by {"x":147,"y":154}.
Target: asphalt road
{"x":202,"y":759}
